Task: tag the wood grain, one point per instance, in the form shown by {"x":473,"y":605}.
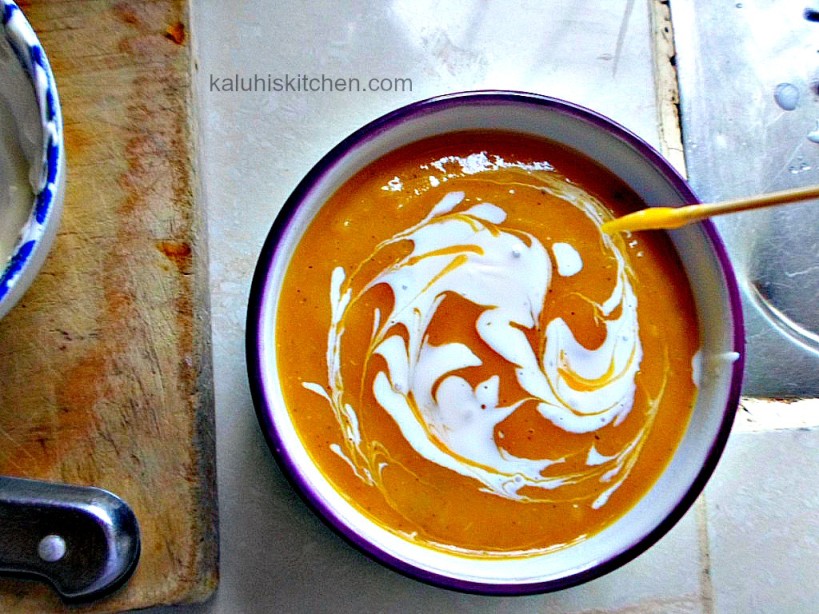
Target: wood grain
{"x":666,"y":85}
{"x":105,"y":372}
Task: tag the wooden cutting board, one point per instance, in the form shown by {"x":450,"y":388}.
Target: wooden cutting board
{"x":105,"y":372}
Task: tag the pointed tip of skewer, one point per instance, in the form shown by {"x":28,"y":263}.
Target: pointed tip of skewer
{"x":652,"y":218}
{"x":614,"y":226}
{"x":611,"y":227}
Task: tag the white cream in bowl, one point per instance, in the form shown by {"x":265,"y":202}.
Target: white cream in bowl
{"x":32,"y":156}
{"x":16,"y":194}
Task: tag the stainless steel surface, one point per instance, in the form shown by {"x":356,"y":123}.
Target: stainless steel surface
{"x":84,"y":541}
{"x":749,"y":89}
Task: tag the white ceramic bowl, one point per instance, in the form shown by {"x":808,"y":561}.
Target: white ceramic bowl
{"x":32,"y":156}
{"x":705,"y":263}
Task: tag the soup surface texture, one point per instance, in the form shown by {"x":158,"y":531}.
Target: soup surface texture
{"x":470,"y":361}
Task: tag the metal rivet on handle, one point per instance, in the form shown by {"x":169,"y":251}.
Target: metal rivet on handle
{"x":51,"y":548}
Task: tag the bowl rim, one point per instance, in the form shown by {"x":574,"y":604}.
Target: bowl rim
{"x":255,"y":358}
{"x":39,"y":230}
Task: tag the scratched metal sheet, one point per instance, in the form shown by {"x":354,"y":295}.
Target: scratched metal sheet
{"x":749,"y":87}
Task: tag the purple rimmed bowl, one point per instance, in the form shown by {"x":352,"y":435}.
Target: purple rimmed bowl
{"x":705,"y":263}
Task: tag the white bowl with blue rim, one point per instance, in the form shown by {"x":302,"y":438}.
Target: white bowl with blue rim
{"x":32,"y":156}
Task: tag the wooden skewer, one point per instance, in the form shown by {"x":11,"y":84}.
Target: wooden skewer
{"x":654,"y":218}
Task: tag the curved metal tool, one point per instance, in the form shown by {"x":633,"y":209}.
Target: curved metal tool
{"x":85,"y":541}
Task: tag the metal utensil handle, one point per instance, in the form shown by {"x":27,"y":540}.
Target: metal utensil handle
{"x":85,"y":541}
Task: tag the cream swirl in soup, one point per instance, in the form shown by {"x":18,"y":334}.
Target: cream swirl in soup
{"x":507,"y":273}
{"x":470,"y":361}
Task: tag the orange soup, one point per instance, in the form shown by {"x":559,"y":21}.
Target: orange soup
{"x":470,"y":361}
